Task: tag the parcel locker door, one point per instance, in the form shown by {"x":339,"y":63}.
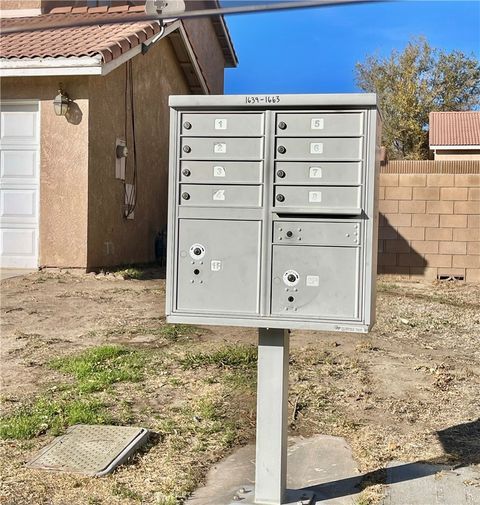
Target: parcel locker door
{"x":320,"y":282}
{"x":219,"y":266}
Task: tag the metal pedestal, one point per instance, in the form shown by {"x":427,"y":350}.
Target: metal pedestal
{"x":272,"y":419}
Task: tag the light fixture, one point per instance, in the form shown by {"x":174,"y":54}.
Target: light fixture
{"x":61,"y":102}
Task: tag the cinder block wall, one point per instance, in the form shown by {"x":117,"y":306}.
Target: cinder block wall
{"x":430,"y":219}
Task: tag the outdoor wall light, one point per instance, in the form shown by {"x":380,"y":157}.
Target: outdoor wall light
{"x":61,"y":102}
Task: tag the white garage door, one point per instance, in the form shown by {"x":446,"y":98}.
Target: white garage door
{"x":19,"y":184}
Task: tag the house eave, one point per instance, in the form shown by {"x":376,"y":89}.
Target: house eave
{"x":456,"y":148}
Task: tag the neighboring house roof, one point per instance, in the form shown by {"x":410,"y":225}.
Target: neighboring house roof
{"x":454,"y":130}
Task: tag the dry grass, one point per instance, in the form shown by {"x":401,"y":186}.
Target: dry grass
{"x":406,"y":391}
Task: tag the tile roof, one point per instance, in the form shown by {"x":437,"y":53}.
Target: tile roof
{"x":454,"y":128}
{"x":47,"y":36}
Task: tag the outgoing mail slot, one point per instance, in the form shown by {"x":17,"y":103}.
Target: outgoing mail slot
{"x":320,"y":124}
{"x":221,"y":148}
{"x":196,"y":195}
{"x":225,"y":172}
{"x":222,"y":124}
{"x":331,"y":199}
{"x":315,"y":281}
{"x":319,"y":149}
{"x":319,"y":173}
{"x":333,"y":233}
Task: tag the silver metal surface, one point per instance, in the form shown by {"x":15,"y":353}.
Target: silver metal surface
{"x":226,"y":278}
{"x":222,"y":123}
{"x":222,"y":148}
{"x":226,"y":172}
{"x":327,"y":233}
{"x":320,"y":148}
{"x":318,"y":173}
{"x":321,"y":124}
{"x":334,"y":198}
{"x":272,"y":405}
{"x":93,"y":450}
{"x":215,"y":195}
{"x":314,"y":167}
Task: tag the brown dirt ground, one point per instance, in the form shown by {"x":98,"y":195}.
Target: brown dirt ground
{"x":406,"y":391}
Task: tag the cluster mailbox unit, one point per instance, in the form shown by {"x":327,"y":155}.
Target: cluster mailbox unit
{"x":273,"y":224}
{"x":273,"y":211}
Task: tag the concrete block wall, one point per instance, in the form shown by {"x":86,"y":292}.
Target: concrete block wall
{"x":430,"y":219}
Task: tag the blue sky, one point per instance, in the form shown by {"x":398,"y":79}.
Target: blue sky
{"x":315,"y":50}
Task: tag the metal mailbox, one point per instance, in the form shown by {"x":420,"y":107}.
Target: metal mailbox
{"x":273,"y":211}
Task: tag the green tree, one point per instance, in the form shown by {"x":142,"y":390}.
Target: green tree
{"x":411,"y":84}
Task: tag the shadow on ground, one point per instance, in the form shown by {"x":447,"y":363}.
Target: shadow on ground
{"x":461,"y":444}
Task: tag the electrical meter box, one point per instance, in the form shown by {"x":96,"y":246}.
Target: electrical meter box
{"x":273,"y":211}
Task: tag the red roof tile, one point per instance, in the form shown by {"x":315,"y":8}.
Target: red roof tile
{"x":40,"y":36}
{"x":454,"y":128}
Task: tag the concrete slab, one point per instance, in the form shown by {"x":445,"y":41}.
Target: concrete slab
{"x":321,"y":464}
{"x":419,"y":484}
{"x":7,"y":273}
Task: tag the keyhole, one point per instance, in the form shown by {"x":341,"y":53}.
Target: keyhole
{"x":291,"y":299}
{"x":196,"y":271}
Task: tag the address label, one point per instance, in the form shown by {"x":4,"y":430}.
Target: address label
{"x":314,"y":196}
{"x":220,"y":124}
{"x":316,"y":123}
{"x":218,"y":171}
{"x":219,"y":195}
{"x":215,"y":265}
{"x":219,"y":147}
{"x":315,"y":173}
{"x":316,"y":147}
{"x":313,"y":281}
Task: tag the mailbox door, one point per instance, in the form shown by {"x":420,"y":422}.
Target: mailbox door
{"x":210,"y":195}
{"x":225,"y":172}
{"x":326,"y":148}
{"x":344,"y":199}
{"x":222,"y":148}
{"x":324,"y":282}
{"x":320,"y":124}
{"x":319,"y":173}
{"x":219,"y":266}
{"x":221,"y":123}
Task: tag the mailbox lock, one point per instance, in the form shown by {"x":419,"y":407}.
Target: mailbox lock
{"x":197,"y":252}
{"x":291,"y":278}
{"x":282,"y":149}
{"x":187,"y":149}
{"x":281,"y":174}
{"x":185,"y":196}
{"x":282,"y":125}
{"x":289,"y":234}
{"x":186,"y":172}
{"x":187,"y":125}
{"x":280,"y":198}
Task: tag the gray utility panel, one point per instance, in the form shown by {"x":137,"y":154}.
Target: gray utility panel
{"x":273,"y":211}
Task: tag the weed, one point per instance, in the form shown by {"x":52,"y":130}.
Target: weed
{"x":124,"y":492}
{"x":96,"y":369}
{"x":239,"y":356}
{"x":131,"y":273}
{"x":47,"y":415}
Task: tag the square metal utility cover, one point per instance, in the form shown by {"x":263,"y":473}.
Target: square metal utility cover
{"x":92,"y":450}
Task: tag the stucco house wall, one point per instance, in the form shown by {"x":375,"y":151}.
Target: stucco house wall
{"x":63,"y":167}
{"x":457,"y":154}
{"x":112,"y":239}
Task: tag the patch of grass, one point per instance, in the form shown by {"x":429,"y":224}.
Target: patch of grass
{"x":123,"y":491}
{"x":98,"y":368}
{"x":171,"y":332}
{"x":131,"y":273}
{"x":239,"y":356}
{"x":53,"y":416}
